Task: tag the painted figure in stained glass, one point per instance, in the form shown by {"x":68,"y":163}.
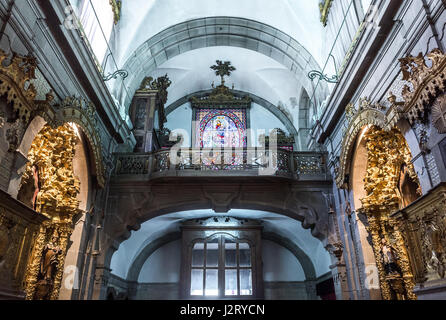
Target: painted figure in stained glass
{"x":221,"y":131}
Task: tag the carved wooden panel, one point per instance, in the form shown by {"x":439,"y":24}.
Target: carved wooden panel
{"x":18,"y":228}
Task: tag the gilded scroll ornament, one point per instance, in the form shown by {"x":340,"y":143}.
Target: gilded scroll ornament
{"x":367,"y":114}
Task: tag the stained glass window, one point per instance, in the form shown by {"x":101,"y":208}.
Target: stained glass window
{"x":221,"y":128}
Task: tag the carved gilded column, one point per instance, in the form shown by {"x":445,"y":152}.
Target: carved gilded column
{"x":374,"y":230}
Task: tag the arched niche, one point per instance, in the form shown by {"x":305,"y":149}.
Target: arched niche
{"x":358,"y":168}
{"x":81,"y":166}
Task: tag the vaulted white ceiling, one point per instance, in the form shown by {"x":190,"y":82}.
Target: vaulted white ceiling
{"x":142,"y":19}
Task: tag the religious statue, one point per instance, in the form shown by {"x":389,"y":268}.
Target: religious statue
{"x":50,"y":255}
{"x":389,"y":259}
{"x":48,"y":267}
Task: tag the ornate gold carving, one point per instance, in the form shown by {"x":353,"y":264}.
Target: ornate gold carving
{"x":84,"y":114}
{"x":387,"y":153}
{"x":52,"y":153}
{"x":424,"y":225}
{"x":15,"y":74}
{"x":427,"y":83}
{"x":18,"y":227}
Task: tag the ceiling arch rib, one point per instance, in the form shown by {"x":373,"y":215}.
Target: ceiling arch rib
{"x":256,"y":99}
{"x":218,"y":31}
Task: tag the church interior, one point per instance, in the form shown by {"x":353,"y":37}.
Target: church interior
{"x":205,"y":149}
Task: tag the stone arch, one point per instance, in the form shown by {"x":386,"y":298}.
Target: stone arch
{"x":218,"y":31}
{"x":368,"y":116}
{"x":287,"y":122}
{"x":74,"y":110}
{"x":152,"y":246}
{"x":129,"y":209}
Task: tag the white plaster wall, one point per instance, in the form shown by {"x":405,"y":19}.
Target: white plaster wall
{"x":163,"y":266}
{"x":279,"y":264}
{"x":281,"y":225}
{"x":289,"y":16}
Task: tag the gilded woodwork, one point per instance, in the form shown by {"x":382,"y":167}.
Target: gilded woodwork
{"x":52,"y":153}
{"x":84,"y":114}
{"x":423,"y":225}
{"x":15,"y":75}
{"x":387,"y":153}
{"x":426,"y":85}
{"x":18,"y":228}
{"x":366,"y":114}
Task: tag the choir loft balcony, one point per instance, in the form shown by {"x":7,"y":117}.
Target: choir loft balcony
{"x":232,"y":162}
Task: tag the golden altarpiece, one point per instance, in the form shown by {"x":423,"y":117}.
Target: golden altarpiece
{"x":407,"y":231}
{"x":36,"y":230}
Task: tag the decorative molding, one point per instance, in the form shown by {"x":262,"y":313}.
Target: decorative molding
{"x":84,"y":114}
{"x":221,"y":97}
{"x":427,"y":83}
{"x":439,"y":114}
{"x":15,"y":76}
{"x":366,"y":114}
{"x":424,"y":225}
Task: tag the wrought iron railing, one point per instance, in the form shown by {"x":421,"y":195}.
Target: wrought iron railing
{"x":254,"y":161}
